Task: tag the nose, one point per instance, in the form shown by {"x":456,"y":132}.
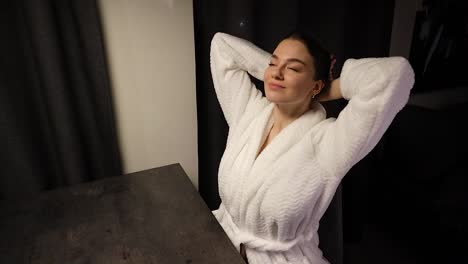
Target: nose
{"x":277,"y":74}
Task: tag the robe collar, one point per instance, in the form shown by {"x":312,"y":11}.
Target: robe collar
{"x":288,"y":136}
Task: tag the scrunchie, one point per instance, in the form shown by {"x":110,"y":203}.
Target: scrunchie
{"x":332,"y":65}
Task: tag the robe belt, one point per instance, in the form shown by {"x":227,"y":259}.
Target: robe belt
{"x":255,"y":242}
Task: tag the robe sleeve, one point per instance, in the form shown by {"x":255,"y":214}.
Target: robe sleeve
{"x":376,"y":90}
{"x":231,"y":58}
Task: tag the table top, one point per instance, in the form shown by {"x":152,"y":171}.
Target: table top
{"x":152,"y":216}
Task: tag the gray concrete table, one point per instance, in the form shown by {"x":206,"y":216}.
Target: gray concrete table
{"x":153,"y":216}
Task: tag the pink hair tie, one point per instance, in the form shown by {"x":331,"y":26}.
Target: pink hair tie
{"x":332,"y":65}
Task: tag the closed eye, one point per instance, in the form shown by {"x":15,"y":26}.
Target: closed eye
{"x":294,"y":69}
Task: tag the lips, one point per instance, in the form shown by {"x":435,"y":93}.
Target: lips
{"x":275,"y":86}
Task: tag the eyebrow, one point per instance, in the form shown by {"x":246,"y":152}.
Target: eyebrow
{"x":289,"y":60}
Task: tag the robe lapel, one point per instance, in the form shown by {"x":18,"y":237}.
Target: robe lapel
{"x":245,"y":153}
{"x":269,"y":157}
{"x":247,"y":135}
{"x":238,"y":158}
{"x":290,"y":135}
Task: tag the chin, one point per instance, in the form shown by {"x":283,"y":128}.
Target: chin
{"x":275,"y":96}
{"x":275,"y":99}
{"x":271,"y":98}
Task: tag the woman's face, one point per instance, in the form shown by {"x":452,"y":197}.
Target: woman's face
{"x":289,"y":79}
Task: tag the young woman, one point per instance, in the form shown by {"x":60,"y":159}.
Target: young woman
{"x":284,"y":159}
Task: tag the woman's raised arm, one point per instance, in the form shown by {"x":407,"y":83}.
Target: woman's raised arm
{"x":377,"y":89}
{"x":231,"y":59}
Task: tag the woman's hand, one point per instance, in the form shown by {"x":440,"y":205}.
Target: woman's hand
{"x":333,"y":93}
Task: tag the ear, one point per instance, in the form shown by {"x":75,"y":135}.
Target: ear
{"x":318,"y":86}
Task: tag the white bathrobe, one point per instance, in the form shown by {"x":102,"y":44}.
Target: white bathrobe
{"x":273,"y":203}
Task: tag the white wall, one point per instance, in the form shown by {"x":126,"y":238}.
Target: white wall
{"x":151,"y":54}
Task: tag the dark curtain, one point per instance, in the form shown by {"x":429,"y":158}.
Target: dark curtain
{"x":57,"y":125}
{"x":348,"y":28}
{"x":439,"y":44}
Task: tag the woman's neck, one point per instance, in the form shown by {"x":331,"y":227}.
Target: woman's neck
{"x":284,"y":114}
